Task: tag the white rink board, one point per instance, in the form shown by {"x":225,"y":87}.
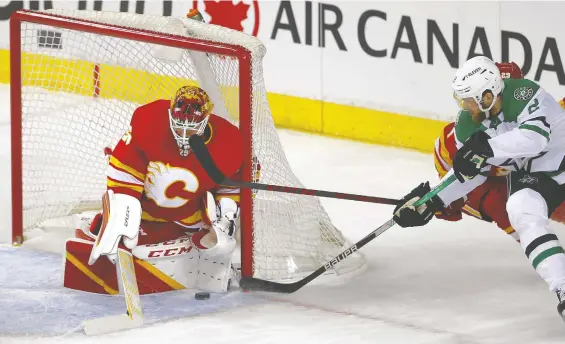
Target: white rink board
{"x":413,"y":82}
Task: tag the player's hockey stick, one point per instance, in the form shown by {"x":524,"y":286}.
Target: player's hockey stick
{"x":250,"y":283}
{"x":202,"y":154}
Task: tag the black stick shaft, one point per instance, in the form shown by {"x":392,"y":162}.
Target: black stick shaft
{"x":311,"y":192}
{"x":251,"y":283}
{"x":201,"y":152}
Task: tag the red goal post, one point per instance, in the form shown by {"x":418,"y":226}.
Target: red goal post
{"x":85,"y":82}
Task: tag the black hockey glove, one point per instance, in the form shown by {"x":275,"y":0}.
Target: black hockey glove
{"x":406,"y":215}
{"x":472,"y":157}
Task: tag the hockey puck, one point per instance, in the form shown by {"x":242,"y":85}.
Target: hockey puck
{"x":203,"y":295}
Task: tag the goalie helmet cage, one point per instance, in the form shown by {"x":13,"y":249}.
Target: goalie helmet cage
{"x":77,"y":77}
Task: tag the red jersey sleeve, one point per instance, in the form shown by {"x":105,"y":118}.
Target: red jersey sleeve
{"x":444,"y":150}
{"x":128,"y":165}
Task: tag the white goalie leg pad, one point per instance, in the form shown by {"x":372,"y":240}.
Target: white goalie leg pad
{"x":179,"y":260}
{"x":214,"y":273}
{"x":121,"y":218}
{"x":195,"y":270}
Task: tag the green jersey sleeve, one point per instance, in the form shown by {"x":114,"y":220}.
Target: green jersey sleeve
{"x":465,"y":127}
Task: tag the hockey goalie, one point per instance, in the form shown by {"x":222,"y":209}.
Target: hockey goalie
{"x":179,"y":225}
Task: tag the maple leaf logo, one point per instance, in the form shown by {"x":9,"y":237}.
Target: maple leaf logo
{"x":226,"y":14}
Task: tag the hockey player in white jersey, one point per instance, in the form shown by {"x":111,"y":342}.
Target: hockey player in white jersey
{"x":515,"y":124}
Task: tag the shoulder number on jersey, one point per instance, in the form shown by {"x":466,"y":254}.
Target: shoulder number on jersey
{"x":533,"y":107}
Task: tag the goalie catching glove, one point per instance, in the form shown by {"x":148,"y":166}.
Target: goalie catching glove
{"x":219,"y":239}
{"x":406,"y":215}
{"x":121,"y":216}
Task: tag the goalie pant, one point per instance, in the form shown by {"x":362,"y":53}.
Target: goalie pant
{"x":164,"y":260}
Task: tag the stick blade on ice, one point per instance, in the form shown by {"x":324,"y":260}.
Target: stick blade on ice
{"x":127,"y":283}
{"x":255,"y":284}
{"x":109,"y":324}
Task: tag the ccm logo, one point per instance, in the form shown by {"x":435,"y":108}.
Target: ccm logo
{"x":171,"y":242}
{"x":171,"y":252}
{"x":341,"y":257}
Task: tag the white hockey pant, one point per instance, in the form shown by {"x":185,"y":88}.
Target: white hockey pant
{"x":527,"y":211}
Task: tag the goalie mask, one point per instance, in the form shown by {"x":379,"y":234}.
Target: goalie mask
{"x":190,"y":109}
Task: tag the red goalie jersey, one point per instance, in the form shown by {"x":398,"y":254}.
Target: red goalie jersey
{"x":146,"y":164}
{"x":488,"y":201}
{"x":153,"y":162}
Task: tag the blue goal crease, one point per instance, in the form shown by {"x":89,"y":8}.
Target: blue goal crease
{"x":33,"y":301}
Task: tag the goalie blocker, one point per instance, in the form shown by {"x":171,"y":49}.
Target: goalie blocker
{"x":166,"y":256}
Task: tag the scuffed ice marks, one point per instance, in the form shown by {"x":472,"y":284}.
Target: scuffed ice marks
{"x":33,"y":301}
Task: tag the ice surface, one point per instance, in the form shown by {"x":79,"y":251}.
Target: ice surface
{"x":447,"y":283}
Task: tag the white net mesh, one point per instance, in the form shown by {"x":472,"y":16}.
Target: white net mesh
{"x":79,"y":90}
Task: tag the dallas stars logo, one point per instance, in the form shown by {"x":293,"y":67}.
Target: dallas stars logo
{"x":527,"y":179}
{"x":523,"y":93}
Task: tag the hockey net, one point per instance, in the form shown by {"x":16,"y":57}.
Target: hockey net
{"x":79,"y":75}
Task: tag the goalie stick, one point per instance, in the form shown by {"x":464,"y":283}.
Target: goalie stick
{"x":127,"y":283}
{"x":251,"y":283}
{"x":203,"y":156}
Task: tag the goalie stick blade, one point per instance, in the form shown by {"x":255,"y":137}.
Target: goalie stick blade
{"x":127,"y":283}
{"x":109,"y":324}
